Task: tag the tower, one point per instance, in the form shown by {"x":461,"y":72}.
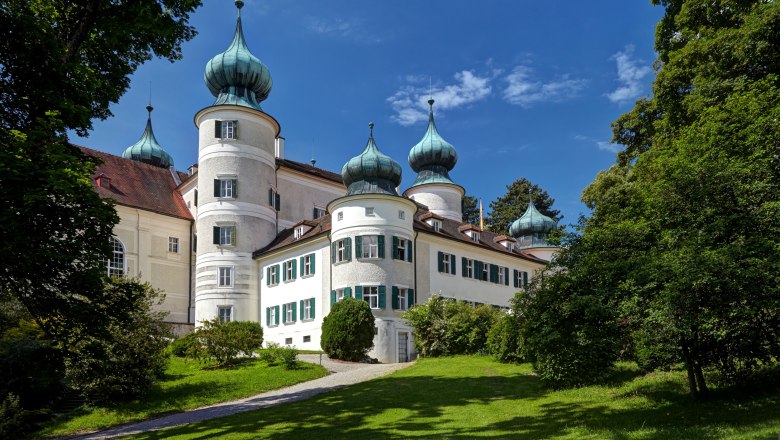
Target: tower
{"x":531,"y":231}
{"x":147,"y":149}
{"x":236,"y":170}
{"x":432,"y":159}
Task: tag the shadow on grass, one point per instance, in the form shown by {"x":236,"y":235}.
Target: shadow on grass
{"x":422,"y":406}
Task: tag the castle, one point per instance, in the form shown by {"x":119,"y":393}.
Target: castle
{"x":249,"y":235}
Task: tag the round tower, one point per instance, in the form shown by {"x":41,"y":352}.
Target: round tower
{"x":432,"y":159}
{"x":531,"y":231}
{"x":372,"y":248}
{"x":236,"y":183}
{"x":147,"y":149}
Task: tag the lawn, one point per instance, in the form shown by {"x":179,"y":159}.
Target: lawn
{"x":474,"y":397}
{"x":187,"y":384}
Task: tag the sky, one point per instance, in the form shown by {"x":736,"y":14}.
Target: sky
{"x":522,"y":88}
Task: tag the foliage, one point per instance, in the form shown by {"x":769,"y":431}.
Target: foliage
{"x":225,"y":342}
{"x":470,"y":209}
{"x":275,"y":354}
{"x":504,"y":341}
{"x":186,"y":385}
{"x":681,"y":250}
{"x":130,"y":357}
{"x":183,"y":345}
{"x":348,"y":330}
{"x":509,"y":207}
{"x":444,"y":327}
{"x":15,"y":421}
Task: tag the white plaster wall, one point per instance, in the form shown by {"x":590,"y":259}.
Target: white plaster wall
{"x":441,"y":199}
{"x":544,"y":253}
{"x":300,"y":194}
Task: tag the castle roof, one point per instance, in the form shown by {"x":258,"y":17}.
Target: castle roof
{"x":147,"y":149}
{"x":433,"y":157}
{"x":371,"y":172}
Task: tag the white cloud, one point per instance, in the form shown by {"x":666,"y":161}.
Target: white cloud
{"x":410,"y":101}
{"x":631,"y":75}
{"x":602,"y":145}
{"x":352,"y":29}
{"x":523,"y":90}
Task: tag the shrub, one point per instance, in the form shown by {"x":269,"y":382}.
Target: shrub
{"x":126,"y":360}
{"x":503,"y":340}
{"x":225,"y":342}
{"x":181,"y":346}
{"x":348,"y":331}
{"x":16,"y":421}
{"x":275,"y":354}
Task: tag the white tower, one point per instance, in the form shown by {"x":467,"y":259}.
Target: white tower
{"x":236,"y":178}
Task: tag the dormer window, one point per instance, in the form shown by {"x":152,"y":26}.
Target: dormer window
{"x":475,"y":236}
{"x":298,"y":232}
{"x":319,"y":212}
{"x":510,"y":246}
{"x":103,"y":181}
{"x":436,"y":225}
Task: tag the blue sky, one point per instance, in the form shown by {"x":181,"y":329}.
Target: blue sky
{"x":523,"y":89}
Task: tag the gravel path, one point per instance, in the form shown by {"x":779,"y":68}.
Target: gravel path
{"x":342,"y":374}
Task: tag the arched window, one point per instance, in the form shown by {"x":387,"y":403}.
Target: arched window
{"x":116,"y":263}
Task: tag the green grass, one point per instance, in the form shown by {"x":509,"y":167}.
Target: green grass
{"x":187,"y":385}
{"x":474,"y":397}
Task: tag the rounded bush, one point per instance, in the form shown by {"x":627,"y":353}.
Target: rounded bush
{"x":348,"y":331}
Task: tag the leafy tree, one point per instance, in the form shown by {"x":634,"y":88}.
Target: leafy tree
{"x":224,"y":342}
{"x":348,"y":330}
{"x":509,"y":207}
{"x":470,"y":207}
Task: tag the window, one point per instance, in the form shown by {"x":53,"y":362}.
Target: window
{"x":225,"y":235}
{"x":226,"y":188}
{"x":307,"y":265}
{"x":370,"y":246}
{"x":173,"y":245}
{"x":225,"y":313}
{"x":446,"y":263}
{"x":436,"y":225}
{"x":289,"y":270}
{"x":341,"y":250}
{"x":225,"y":276}
{"x":485,"y":268}
{"x":475,"y":236}
{"x":287,"y":341}
{"x":307,"y":339}
{"x":340,"y":216}
{"x":273,"y":275}
{"x":401,"y":248}
{"x":502,"y":279}
{"x":272,"y":316}
{"x":510,"y":247}
{"x":288,"y":313}
{"x":298,"y":232}
{"x":402,"y":299}
{"x":340,"y":293}
{"x":521,"y":279}
{"x":307,"y":311}
{"x":371,"y":296}
{"x":274,"y":199}
{"x":116,"y":263}
{"x":401,"y":215}
{"x":104,"y":182}
{"x":319,"y":212}
{"x":468,"y":268}
{"x":370,"y":212}
{"x":226,"y":129}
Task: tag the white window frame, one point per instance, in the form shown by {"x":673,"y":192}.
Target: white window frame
{"x":340,"y":294}
{"x":469,"y":268}
{"x":229,"y":309}
{"x":298,"y":232}
{"x":475,"y":236}
{"x":306,"y":265}
{"x":274,"y":275}
{"x":226,"y":190}
{"x":225,"y":276}
{"x":436,"y":225}
{"x":501,"y":275}
{"x":340,"y":251}
{"x":447,"y":261}
{"x":403,"y":249}
{"x":339,"y":216}
{"x":370,"y":212}
{"x":307,"y":310}
{"x":288,"y":271}
{"x":371,"y":296}
{"x":272,"y":317}
{"x":226,"y":235}
{"x":320,"y":212}
{"x":228,"y":130}
{"x":370,"y":247}
{"x":401,"y":215}
{"x":403,"y":300}
{"x":485,"y":272}
{"x":173,"y":245}
{"x":116,"y":265}
{"x":289,"y":317}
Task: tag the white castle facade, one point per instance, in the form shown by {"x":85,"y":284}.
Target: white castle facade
{"x":250,"y":235}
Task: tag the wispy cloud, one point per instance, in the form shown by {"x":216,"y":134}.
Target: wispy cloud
{"x":631,"y":74}
{"x":524,"y":90}
{"x":410,"y":102}
{"x":350,"y":29}
{"x":602,"y":145}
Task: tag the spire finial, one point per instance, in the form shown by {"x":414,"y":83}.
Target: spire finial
{"x":239,"y":5}
{"x":371,"y":129}
{"x":149,"y":107}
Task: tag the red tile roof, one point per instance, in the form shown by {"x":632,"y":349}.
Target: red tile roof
{"x":139,"y":185}
{"x":310,"y":169}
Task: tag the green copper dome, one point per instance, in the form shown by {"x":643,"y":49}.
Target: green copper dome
{"x":147,"y":149}
{"x":371,"y":172}
{"x":433,"y":157}
{"x":236,"y":76}
{"x":532,"y":222}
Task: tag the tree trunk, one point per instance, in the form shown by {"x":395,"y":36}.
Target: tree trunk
{"x":704,"y":392}
{"x":689,"y":367}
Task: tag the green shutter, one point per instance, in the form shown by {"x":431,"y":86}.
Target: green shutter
{"x":302,"y":266}
{"x":284,"y":313}
{"x":311,"y":263}
{"x":359,"y":247}
{"x":233,"y":236}
{"x":314,"y":213}
{"x":295,"y":268}
{"x":332,"y":297}
{"x":235,"y":188}
{"x":409,"y":297}
{"x":216,"y":188}
{"x":218,"y":129}
{"x":235,"y":129}
{"x":284,"y":272}
{"x":313,"y":308}
{"x":278,"y":270}
{"x":478,"y":269}
{"x":268,"y":276}
{"x":278,"y":202}
{"x":271,"y":197}
{"x":359,"y":293}
{"x":395,"y":247}
{"x":295,"y":317}
{"x":453,"y":259}
{"x":302,"y":314}
{"x":514,"y":277}
{"x":381,"y":242}
{"x":216,"y":234}
{"x":506,"y":276}
{"x":525,"y":280}
{"x":382,"y":294}
{"x":347,"y":292}
{"x":441,"y":261}
{"x":409,"y":250}
{"x":463,"y":266}
{"x":267,"y":316}
{"x":348,"y":249}
{"x":277,"y":315}
{"x":394,"y":297}
{"x":333,"y":253}
{"x":493,"y":273}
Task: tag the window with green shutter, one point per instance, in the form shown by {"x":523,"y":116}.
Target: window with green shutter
{"x":381,"y":244}
{"x":394,"y":298}
{"x":332,"y":297}
{"x":440,"y":257}
{"x":276,"y":312}
{"x":359,"y":293}
{"x":382,"y":295}
{"x":410,"y":301}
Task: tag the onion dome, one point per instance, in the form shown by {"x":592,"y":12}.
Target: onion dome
{"x":371,"y":172}
{"x":147,"y":149}
{"x":433,"y":157}
{"x":532,"y":222}
{"x":236,"y":76}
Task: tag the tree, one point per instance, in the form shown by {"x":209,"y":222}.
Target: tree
{"x":509,"y":207}
{"x":54,"y":225}
{"x":685,"y":228}
{"x":470,"y":207}
{"x":348,"y":330}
